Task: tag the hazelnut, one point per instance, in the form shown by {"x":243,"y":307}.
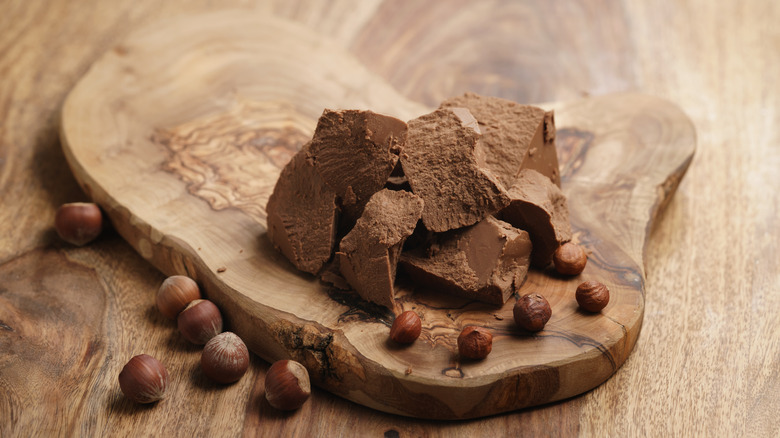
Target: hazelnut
{"x":475,"y":342}
{"x":592,"y":296}
{"x":287,"y":385}
{"x":78,"y":223}
{"x":143,"y":379}
{"x":570,"y":259}
{"x":225,"y":358}
{"x":200,"y":321}
{"x":406,"y":328}
{"x":531,"y":312}
{"x":174,"y":295}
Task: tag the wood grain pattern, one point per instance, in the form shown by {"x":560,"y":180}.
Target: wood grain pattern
{"x":708,"y":356}
{"x":219,"y":145}
{"x":402,"y":35}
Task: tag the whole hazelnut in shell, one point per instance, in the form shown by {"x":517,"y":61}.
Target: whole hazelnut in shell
{"x":78,"y":223}
{"x":475,"y":342}
{"x":225,"y":358}
{"x":570,"y":259}
{"x":406,"y":328}
{"x":592,"y":296}
{"x":200,"y":321}
{"x":174,"y":295}
{"x":531,"y":312}
{"x":287,"y":385}
{"x":143,"y":379}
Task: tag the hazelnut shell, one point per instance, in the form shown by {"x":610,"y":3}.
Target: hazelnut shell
{"x":406,"y":328}
{"x":78,"y":223}
{"x":175,"y":294}
{"x":531,"y":312}
{"x":143,"y":379}
{"x":225,"y":358}
{"x":570,"y":259}
{"x":475,"y":342}
{"x":200,"y":321}
{"x":287,"y":385}
{"x":592,"y":296}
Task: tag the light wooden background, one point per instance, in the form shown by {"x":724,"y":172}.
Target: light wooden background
{"x":708,"y":358}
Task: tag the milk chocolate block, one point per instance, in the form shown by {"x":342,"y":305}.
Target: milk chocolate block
{"x":355,"y":152}
{"x":302,"y":215}
{"x":486,"y":262}
{"x":368,"y":255}
{"x":539,"y":207}
{"x":515,"y":136}
{"x":441,"y":163}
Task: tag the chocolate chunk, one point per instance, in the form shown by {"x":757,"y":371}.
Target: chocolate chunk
{"x":539,"y":207}
{"x":441,"y":162}
{"x":368,"y":255}
{"x":355,"y":153}
{"x":486,"y":262}
{"x":515,"y":136}
{"x":302,"y":215}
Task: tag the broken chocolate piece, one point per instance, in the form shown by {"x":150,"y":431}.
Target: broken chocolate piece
{"x":302,"y":215}
{"x":515,"y":136}
{"x":539,"y":207}
{"x":355,"y":153}
{"x":368,"y":255}
{"x":441,"y":163}
{"x":486,"y":262}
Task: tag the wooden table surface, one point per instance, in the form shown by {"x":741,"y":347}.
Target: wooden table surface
{"x":707,"y":361}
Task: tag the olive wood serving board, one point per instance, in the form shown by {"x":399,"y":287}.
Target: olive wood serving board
{"x":179,"y":133}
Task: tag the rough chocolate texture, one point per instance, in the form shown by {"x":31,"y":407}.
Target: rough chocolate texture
{"x":355,"y":153}
{"x":441,"y":163}
{"x":368,"y":255}
{"x":486,"y":262}
{"x":449,"y":195}
{"x":302,"y":215}
{"x":539,"y":207}
{"x":515,"y":136}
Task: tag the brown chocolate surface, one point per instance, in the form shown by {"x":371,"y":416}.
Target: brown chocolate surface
{"x":302,"y":215}
{"x":486,"y":262}
{"x":539,"y":207}
{"x":515,"y":136}
{"x":442,"y":165}
{"x":355,"y":153}
{"x":368,"y":255}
